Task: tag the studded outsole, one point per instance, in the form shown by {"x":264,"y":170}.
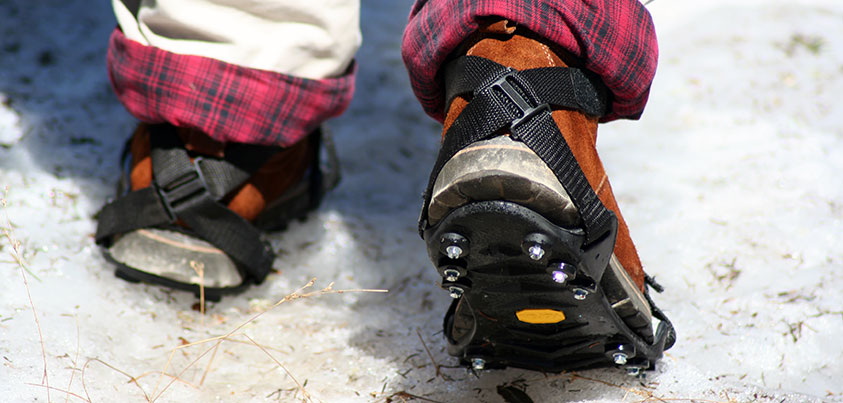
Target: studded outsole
{"x":525,"y":296}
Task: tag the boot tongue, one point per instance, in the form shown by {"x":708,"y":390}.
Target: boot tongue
{"x":498,"y":27}
{"x":499,"y":42}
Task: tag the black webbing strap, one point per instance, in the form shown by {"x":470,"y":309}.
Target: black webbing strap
{"x":565,"y":87}
{"x":238,"y":164}
{"x":139,"y":209}
{"x":182,"y":189}
{"x":504,"y":99}
{"x":317,"y":180}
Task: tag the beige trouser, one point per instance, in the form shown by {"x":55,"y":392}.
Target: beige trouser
{"x":305,"y":38}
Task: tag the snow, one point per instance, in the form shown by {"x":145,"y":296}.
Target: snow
{"x":729,"y":184}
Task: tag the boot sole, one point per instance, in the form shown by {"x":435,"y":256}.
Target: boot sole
{"x":517,"y":314}
{"x":138,"y":254}
{"x":495,"y":200}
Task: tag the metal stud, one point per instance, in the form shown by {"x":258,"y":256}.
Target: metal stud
{"x":562,"y":272}
{"x":453,"y":252}
{"x":536,"y":252}
{"x":451,"y":274}
{"x":534,"y":245}
{"x":620,"y":358}
{"x":580,"y":294}
{"x":478,"y":364}
{"x":455,"y":292}
{"x":453,"y":245}
{"x":559,"y":276}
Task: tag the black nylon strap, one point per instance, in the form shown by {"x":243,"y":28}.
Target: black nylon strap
{"x":228,"y":231}
{"x":543,"y":137}
{"x":190,"y":191}
{"x":316,"y":178}
{"x":221,"y":175}
{"x":240,"y":162}
{"x":185,"y":193}
{"x":504,"y":98}
{"x":566,"y":87}
{"x":569,"y":87}
{"x":139,"y":209}
{"x":466,"y":74}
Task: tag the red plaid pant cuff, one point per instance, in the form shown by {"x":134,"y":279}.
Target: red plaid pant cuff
{"x":228,"y":102}
{"x":614,"y":38}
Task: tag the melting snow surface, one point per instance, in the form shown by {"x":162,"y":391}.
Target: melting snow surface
{"x":730,"y":184}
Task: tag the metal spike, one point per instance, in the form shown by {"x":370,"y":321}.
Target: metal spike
{"x":536,"y":252}
{"x":580,"y":294}
{"x":559,"y":276}
{"x":453,"y":252}
{"x":451,"y":275}
{"x":620,"y":358}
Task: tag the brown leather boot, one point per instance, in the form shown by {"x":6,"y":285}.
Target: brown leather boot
{"x":496,"y":216}
{"x":283,"y":170}
{"x":204,"y":205}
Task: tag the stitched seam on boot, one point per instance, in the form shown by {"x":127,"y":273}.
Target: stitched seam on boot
{"x":600,"y":186}
{"x":547,"y":55}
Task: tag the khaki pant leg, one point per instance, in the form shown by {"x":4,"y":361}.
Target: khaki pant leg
{"x":305,"y":38}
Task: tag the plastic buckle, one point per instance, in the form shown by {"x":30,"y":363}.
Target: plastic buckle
{"x":525,"y":109}
{"x":185,"y":191}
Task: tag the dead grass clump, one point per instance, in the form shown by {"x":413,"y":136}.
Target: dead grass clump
{"x":166,"y":378}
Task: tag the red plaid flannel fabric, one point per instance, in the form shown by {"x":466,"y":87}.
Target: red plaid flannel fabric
{"x":616,"y":39}
{"x":228,"y":102}
{"x":237,"y":104}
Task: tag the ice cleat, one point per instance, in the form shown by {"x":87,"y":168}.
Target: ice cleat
{"x":190,"y":212}
{"x":521,"y":223}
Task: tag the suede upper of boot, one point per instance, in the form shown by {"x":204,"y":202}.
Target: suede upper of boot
{"x":279,"y":173}
{"x":504,"y":43}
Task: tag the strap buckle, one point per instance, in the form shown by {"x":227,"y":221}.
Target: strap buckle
{"x":184,"y":191}
{"x":526,"y":110}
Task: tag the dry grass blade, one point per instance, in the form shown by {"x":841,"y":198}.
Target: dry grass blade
{"x":132,"y":379}
{"x":294,"y":295}
{"x":199,"y":268}
{"x":300,"y":386}
{"x":75,"y":360}
{"x":69,"y":393}
{"x":404,"y":396}
{"x":9,"y":234}
{"x":211,"y":361}
{"x":435,"y":364}
{"x":297,"y":294}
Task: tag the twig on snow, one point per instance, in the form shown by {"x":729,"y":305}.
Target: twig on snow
{"x":9,"y":234}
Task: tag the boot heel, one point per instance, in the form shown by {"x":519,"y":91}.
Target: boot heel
{"x":526,"y":295}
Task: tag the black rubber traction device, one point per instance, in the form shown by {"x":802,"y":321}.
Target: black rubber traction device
{"x":302,"y":198}
{"x":499,"y":275}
